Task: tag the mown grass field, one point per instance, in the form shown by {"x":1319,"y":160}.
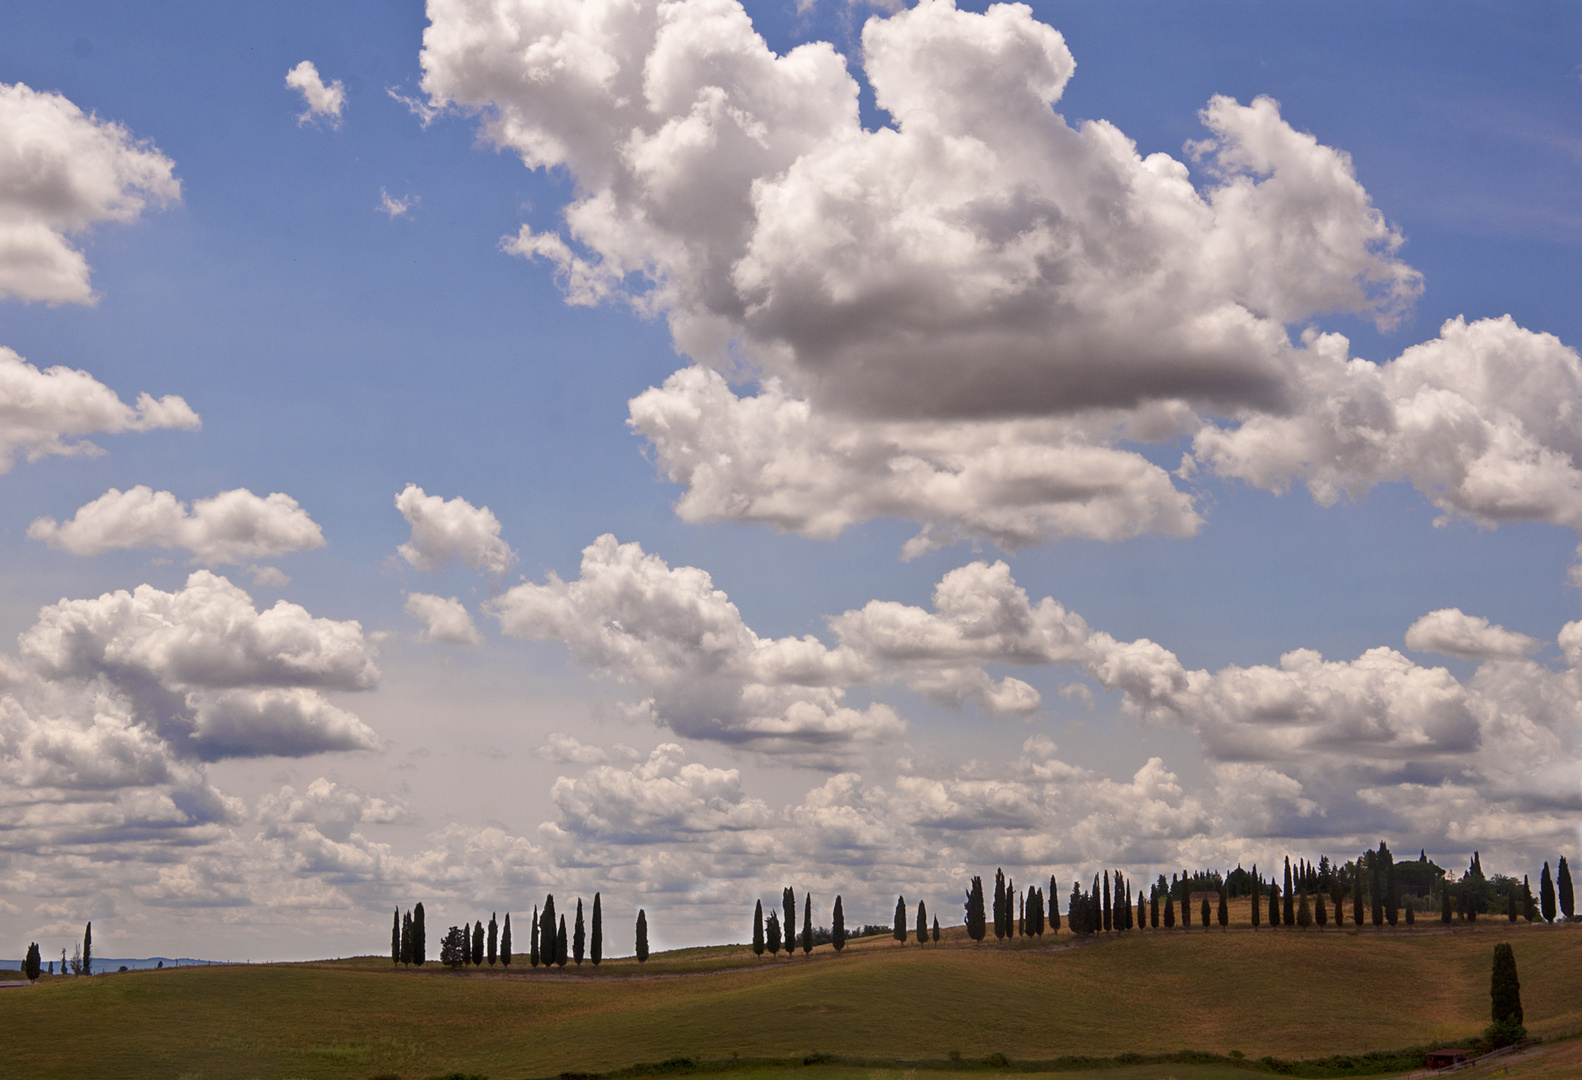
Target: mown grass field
{"x":1286,"y":993}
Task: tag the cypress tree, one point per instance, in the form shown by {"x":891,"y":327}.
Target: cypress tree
{"x":899,"y":933}
{"x":999,"y":905}
{"x":1320,"y":912}
{"x":975,"y":913}
{"x":1304,"y":914}
{"x":1567,"y":897}
{"x":395,"y":938}
{"x":1105,"y":912}
{"x":1505,"y":996}
{"x":477,"y":944}
{"x":546,"y":931}
{"x":1546,"y":901}
{"x":419,"y":936}
{"x":505,"y":942}
{"x":87,"y":936}
{"x":579,"y":936}
{"x":1444,"y":903}
{"x":406,"y":939}
{"x":807,"y":923}
{"x":1186,"y":903}
{"x":774,"y":933}
{"x":1054,"y":907}
{"x":758,"y":927}
{"x":493,"y":955}
{"x":1392,"y":896}
{"x":1410,"y":918}
{"x":1205,"y":913}
{"x":532,"y":939}
{"x":1224,"y":907}
{"x":1153,"y":908}
{"x":1376,"y":894}
{"x":1530,"y":909}
{"x":936,"y":930}
{"x":1290,"y":911}
{"x":31,"y":966}
{"x":1256,"y":896}
{"x":837,"y":927}
{"x":1356,"y":896}
{"x":1094,"y":916}
{"x":788,"y":924}
{"x":1142,"y":911}
{"x":596,"y":944}
{"x":1010,"y":908}
{"x":1077,"y":910}
{"x":1510,"y":906}
{"x":1170,"y":911}
{"x":922,"y":923}
{"x":642,"y":937}
{"x":560,"y":943}
{"x":1274,"y":905}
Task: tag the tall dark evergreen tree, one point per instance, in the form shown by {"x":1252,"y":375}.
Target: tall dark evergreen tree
{"x":1392,"y":893}
{"x":837,"y":926}
{"x":1274,"y":905}
{"x":1010,"y":908}
{"x":1567,"y":897}
{"x":999,"y":905}
{"x":419,"y":936}
{"x":1095,"y":916}
{"x":1142,"y":911}
{"x":1205,"y":913}
{"x":493,"y":953}
{"x":936,"y":930}
{"x":922,"y":923}
{"x":1104,"y":913}
{"x":1356,"y":896}
{"x":1224,"y":907}
{"x":899,"y":931}
{"x":532,"y":939}
{"x":546,"y":932}
{"x":1054,"y":907}
{"x":87,"y":938}
{"x":774,"y":933}
{"x":1153,"y":908}
{"x":642,"y":936}
{"x":1186,"y":902}
{"x":579,"y":936}
{"x":1510,"y":906}
{"x":1376,"y":894}
{"x":395,"y":938}
{"x":1320,"y":911}
{"x":1410,"y":918}
{"x":758,"y":929}
{"x":1077,"y":911}
{"x":1256,"y":896}
{"x":34,"y":962}
{"x":1288,"y":916}
{"x":1170,"y":909}
{"x":788,"y":925}
{"x":477,"y":944}
{"x":406,"y":939}
{"x":1505,"y":998}
{"x":1529,"y":909}
{"x":1546,"y":898}
{"x":560,"y":943}
{"x":596,"y":939}
{"x":505,"y":942}
{"x":807,"y":923}
{"x":975,"y":913}
{"x":1444,"y":902}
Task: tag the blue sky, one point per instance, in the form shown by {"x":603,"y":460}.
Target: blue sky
{"x":337,"y":352}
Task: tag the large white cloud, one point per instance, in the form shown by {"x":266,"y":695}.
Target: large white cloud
{"x":443,"y":530}
{"x":49,"y":412}
{"x":1470,"y":637}
{"x":63,"y":171}
{"x":231,"y":527}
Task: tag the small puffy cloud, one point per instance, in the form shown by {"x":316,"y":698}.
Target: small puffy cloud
{"x":63,"y":171}
{"x":444,"y":619}
{"x":393,"y":207}
{"x":1470,"y":637}
{"x":323,"y":102}
{"x":50,"y":412}
{"x":455,"y":529}
{"x":705,"y":673}
{"x":231,"y":527}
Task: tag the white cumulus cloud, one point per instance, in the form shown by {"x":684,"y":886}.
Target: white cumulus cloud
{"x":444,"y":619}
{"x":443,"y":530}
{"x":1470,"y":637}
{"x":231,"y":527}
{"x":63,"y":171}
{"x":324,"y":102}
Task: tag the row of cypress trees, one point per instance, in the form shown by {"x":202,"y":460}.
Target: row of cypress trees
{"x":771,"y":934}
{"x":461,"y":946}
{"x":548,"y":943}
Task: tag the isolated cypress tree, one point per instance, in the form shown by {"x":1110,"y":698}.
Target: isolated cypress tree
{"x":406,"y":939}
{"x":1054,"y":907}
{"x":899,"y":933}
{"x":1224,"y":907}
{"x":1320,"y":912}
{"x":936,"y":930}
{"x":1505,"y":996}
{"x":1274,"y":905}
{"x":642,"y":937}
{"x":1567,"y":897}
{"x":477,"y":944}
{"x":1290,"y":911}
{"x":922,"y":923}
{"x":999,"y":905}
{"x":532,"y":939}
{"x":579,"y":936}
{"x":87,"y":936}
{"x":1444,"y":903}
{"x":774,"y":933}
{"x":505,"y":942}
{"x":1142,"y":911}
{"x":31,"y":966}
{"x":788,"y":924}
{"x":1170,"y":911}
{"x":1530,"y":909}
{"x":807,"y":923}
{"x":974,"y":905}
{"x":1510,"y":906}
{"x":1546,"y":900}
{"x":419,"y":936}
{"x":546,"y":931}
{"x":596,"y":941}
{"x":1304,"y":914}
{"x":560,"y":944}
{"x":493,"y":953}
{"x":395,"y":938}
{"x":1256,"y":896}
{"x":837,"y":927}
{"x":758,"y":928}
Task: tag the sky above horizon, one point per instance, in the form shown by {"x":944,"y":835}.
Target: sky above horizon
{"x":682,"y":449}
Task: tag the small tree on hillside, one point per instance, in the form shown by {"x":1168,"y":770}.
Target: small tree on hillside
{"x":1052,"y":912}
{"x":34,"y":962}
{"x":936,"y":930}
{"x":560,"y":944}
{"x":1274,"y":905}
{"x":975,"y":914}
{"x":1356,"y":897}
{"x":1290,"y":912}
{"x":395,"y":938}
{"x":1567,"y":897}
{"x":1170,"y":912}
{"x":1546,"y":896}
{"x":788,"y":923}
{"x":505,"y":942}
{"x":454,"y":947}
{"x":477,"y":944}
{"x":807,"y":923}
{"x":406,"y":938}
{"x":419,"y":935}
{"x":773,"y":931}
{"x":532,"y":939}
{"x":758,"y":927}
{"x":1153,"y":908}
{"x":596,"y":938}
{"x":493,"y":953}
{"x":1205,"y":913}
{"x":1224,"y":907}
{"x":1186,"y":903}
{"x":922,"y":923}
{"x":1304,"y":914}
{"x":899,"y":932}
{"x":579,"y":936}
{"x":546,"y":932}
{"x":999,"y":905}
{"x":1320,"y":910}
{"x":1505,"y":994}
{"x":837,"y":927}
{"x":642,"y":936}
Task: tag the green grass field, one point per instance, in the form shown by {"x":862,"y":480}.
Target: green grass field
{"x":1290,"y":994}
